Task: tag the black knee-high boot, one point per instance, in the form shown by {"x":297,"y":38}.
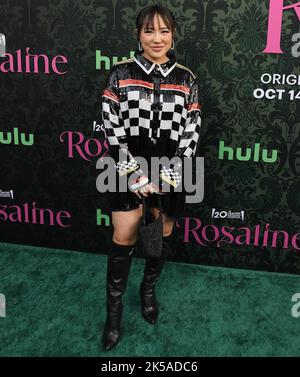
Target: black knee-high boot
{"x":152,"y":271}
{"x":118,"y":267}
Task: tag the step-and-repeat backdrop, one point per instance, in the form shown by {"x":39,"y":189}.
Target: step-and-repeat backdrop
{"x":55,"y":57}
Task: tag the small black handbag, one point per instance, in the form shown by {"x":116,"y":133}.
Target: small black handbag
{"x":151,"y":231}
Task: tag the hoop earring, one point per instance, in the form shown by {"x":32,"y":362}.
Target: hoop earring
{"x":173,"y":45}
{"x":140,"y":47}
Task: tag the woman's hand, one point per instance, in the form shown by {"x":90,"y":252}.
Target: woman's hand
{"x":146,"y":190}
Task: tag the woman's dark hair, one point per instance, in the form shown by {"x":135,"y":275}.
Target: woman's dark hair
{"x":146,"y":16}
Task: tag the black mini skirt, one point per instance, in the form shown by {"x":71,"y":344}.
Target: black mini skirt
{"x":172,"y":202}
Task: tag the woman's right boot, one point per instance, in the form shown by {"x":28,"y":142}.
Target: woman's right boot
{"x":152,"y":272}
{"x":118,"y":267}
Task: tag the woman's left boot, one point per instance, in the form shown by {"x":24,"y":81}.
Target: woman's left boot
{"x":152,"y":271}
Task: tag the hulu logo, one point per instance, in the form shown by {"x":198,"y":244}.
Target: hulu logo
{"x":101,"y":217}
{"x":107,"y":61}
{"x":16,"y":138}
{"x":254,"y":154}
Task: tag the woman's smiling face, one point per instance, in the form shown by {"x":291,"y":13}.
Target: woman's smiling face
{"x":156,"y":40}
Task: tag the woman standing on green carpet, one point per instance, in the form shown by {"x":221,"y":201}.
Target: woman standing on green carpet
{"x":150,"y":108}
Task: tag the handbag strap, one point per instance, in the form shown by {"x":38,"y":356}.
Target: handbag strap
{"x":144,"y":211}
{"x":144,"y":208}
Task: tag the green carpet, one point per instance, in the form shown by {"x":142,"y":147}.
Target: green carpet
{"x":55,"y":306}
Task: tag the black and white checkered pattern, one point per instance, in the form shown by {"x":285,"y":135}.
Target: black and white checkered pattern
{"x":170,"y":176}
{"x":113,"y":127}
{"x":126,"y":167}
{"x":136,"y":112}
{"x":127,"y":110}
{"x":189,"y":138}
{"x":173,"y":115}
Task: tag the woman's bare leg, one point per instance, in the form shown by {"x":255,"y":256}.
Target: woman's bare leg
{"x":126,"y":225}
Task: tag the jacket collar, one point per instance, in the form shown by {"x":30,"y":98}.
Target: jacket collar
{"x":148,"y":65}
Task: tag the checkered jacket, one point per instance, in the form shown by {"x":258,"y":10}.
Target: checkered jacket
{"x":150,"y":110}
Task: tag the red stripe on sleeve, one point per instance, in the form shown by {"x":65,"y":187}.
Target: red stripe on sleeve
{"x":194,"y":106}
{"x":108,"y":93}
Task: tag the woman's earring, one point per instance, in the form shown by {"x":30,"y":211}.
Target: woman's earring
{"x":173,"y":45}
{"x":140,"y":47}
